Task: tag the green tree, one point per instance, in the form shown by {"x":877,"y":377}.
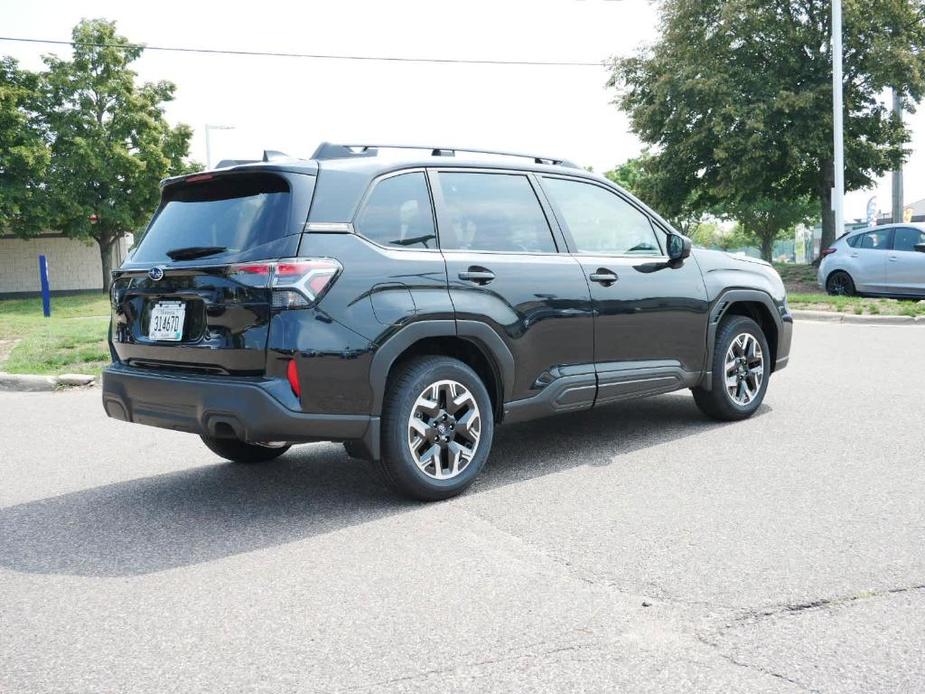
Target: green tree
{"x":766,"y":221}
{"x":735,"y":98}
{"x":110,"y":142}
{"x":644,"y":178}
{"x":24,"y":153}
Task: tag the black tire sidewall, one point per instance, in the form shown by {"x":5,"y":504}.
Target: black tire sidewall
{"x":730,"y":329}
{"x":242,"y":452}
{"x":404,"y":388}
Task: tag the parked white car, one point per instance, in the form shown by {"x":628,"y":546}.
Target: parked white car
{"x":887,"y":260}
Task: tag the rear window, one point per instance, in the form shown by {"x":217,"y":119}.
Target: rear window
{"x":227,"y":215}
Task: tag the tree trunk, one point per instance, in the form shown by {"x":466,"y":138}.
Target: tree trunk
{"x":767,"y":247}
{"x":826,"y":182}
{"x":106,"y":242}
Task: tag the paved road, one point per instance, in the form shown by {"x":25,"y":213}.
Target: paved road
{"x":636,"y":548}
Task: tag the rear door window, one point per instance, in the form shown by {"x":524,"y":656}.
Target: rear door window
{"x":493,"y":212}
{"x":875,"y":240}
{"x":398,"y":213}
{"x":225,"y":215}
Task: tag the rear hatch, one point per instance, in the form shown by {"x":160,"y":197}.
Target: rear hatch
{"x":194,"y":296}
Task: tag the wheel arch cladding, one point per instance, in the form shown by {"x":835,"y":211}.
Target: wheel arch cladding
{"x":492,"y":363}
{"x":761,"y":314}
{"x":465,"y":350}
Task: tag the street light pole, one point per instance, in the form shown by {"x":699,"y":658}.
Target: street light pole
{"x":209,"y":128}
{"x":898,"y":207}
{"x":838,"y":120}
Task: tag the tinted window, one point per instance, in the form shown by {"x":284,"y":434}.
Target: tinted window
{"x":493,"y":212}
{"x":236,"y":213}
{"x":875,"y":240}
{"x":601,"y":221}
{"x":906,"y":239}
{"x":398,"y":213}
{"x":853,"y":241}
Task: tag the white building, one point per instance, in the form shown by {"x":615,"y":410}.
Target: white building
{"x":72,"y":264}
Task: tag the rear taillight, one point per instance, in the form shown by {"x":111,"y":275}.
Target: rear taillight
{"x":296,"y":282}
{"x":828,"y":251}
{"x":300,"y":282}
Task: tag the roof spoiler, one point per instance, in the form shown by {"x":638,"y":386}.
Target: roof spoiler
{"x":268,"y":155}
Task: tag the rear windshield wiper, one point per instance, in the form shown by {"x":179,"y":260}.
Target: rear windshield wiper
{"x":191,"y":252}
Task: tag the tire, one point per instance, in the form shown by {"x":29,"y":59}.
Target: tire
{"x":738,"y":337}
{"x":241,"y":452}
{"x":434,"y":451}
{"x":839,"y":283}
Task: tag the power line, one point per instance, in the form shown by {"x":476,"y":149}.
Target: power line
{"x":314,"y":56}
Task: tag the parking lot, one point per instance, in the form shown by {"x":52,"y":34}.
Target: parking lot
{"x":638,"y":547}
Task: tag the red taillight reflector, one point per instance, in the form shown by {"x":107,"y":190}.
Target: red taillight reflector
{"x":256,"y":269}
{"x":292,"y":269}
{"x":195,"y":179}
{"x":292,"y":373}
{"x":828,"y":251}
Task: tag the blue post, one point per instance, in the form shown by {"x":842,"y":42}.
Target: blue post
{"x":46,"y":289}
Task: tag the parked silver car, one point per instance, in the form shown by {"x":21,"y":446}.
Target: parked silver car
{"x":887,"y":260}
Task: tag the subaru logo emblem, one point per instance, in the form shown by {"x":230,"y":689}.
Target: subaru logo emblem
{"x":156,"y":273}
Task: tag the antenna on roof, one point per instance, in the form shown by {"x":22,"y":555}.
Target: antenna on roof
{"x":273,"y":155}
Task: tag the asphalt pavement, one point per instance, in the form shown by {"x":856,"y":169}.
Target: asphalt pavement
{"x":639,"y":547}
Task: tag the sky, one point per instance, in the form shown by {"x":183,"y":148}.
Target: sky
{"x":292,"y":104}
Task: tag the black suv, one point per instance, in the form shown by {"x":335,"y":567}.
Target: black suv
{"x":407,"y":307}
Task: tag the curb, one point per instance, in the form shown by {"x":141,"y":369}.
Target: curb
{"x":834,"y":317}
{"x":30,"y":383}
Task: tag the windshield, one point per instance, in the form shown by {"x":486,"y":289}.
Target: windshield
{"x":228,"y":215}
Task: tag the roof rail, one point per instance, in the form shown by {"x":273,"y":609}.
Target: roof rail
{"x":328,"y":150}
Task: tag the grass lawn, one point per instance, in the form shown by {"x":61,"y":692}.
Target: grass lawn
{"x":804,"y":293}
{"x":856,"y":304}
{"x":73,"y":340}
{"x":799,"y":279}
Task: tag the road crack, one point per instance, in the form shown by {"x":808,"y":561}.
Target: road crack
{"x":751,"y":666}
{"x":825,"y":603}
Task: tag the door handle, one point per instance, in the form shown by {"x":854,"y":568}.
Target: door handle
{"x":604,"y":276}
{"x":893,"y":258}
{"x":479,"y":275}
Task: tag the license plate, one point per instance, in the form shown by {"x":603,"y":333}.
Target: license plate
{"x":167,"y":321}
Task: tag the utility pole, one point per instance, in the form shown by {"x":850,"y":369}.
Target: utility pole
{"x":898,"y":202}
{"x":838,"y":120}
{"x":210,"y":128}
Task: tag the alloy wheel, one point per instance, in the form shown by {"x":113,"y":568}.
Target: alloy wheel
{"x":838,"y":284}
{"x":744,"y":369}
{"x":444,"y":429}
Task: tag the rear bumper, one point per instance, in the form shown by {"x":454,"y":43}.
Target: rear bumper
{"x":224,"y":406}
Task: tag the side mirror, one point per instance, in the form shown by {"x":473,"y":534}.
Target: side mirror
{"x":920,"y":247}
{"x":679,"y":248}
